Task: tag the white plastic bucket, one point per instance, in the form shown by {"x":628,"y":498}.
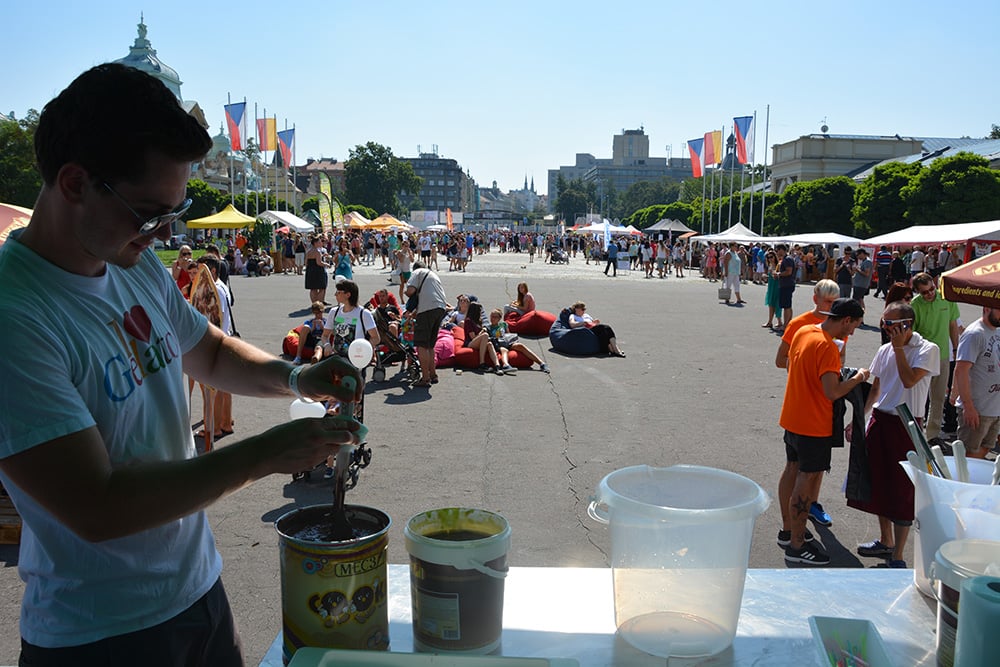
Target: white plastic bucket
{"x":937,"y":505}
{"x":458,"y":562}
{"x":953,"y":563}
{"x":680,"y":543}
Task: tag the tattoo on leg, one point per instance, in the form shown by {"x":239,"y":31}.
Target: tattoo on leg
{"x":801,"y":505}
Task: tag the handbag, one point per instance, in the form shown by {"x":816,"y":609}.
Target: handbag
{"x":725,"y":293}
{"x":414,"y":301}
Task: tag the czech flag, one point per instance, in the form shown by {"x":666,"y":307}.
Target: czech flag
{"x":743,"y":129}
{"x":695,"y":147}
{"x":266,"y":139}
{"x":236,"y":121}
{"x":713,"y":147}
{"x":286,"y":139}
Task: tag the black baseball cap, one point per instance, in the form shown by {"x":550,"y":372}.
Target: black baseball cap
{"x":844,"y":308}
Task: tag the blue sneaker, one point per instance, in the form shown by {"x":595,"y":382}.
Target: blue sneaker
{"x":819,"y":515}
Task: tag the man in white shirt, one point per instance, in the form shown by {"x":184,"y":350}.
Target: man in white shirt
{"x":902,"y":369}
{"x":976,"y":381}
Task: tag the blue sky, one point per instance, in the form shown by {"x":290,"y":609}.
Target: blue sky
{"x":514,"y":88}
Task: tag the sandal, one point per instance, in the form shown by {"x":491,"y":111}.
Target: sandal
{"x":434,"y":379}
{"x":421,"y":383}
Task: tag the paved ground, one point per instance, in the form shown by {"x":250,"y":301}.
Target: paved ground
{"x":698,"y":386}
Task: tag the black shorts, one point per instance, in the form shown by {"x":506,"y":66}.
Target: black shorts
{"x":785,"y":296}
{"x":426,"y":326}
{"x":811,"y":453}
{"x":858,"y":293}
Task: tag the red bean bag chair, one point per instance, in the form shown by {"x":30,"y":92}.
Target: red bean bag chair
{"x":534,"y":323}
{"x":290,"y":345}
{"x":466,"y":357}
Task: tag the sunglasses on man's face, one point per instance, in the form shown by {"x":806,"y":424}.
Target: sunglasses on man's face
{"x":148,"y":226}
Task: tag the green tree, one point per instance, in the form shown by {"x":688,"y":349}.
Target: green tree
{"x":961,"y":188}
{"x":648,"y":193}
{"x":571,"y":203}
{"x":312,"y":203}
{"x":879,"y":207}
{"x":374,"y":176}
{"x":994,"y":132}
{"x":823,"y":205}
{"x":20,"y":180}
{"x":205,"y":199}
{"x":369,"y":213}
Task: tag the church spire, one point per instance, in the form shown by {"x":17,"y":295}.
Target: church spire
{"x":532,"y":182}
{"x":525,"y":181}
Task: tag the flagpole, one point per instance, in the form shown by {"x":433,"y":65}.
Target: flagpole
{"x":702,"y":196}
{"x":283,"y":161}
{"x":750,"y":157}
{"x":295,"y":177}
{"x":763,"y":198}
{"x":232,"y":186}
{"x":722,"y":173}
{"x":246,"y":192}
{"x":256,"y":192}
{"x":732,"y":178}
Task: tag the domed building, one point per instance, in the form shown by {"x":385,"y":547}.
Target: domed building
{"x":142,"y":56}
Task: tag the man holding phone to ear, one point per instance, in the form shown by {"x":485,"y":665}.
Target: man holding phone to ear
{"x":902,"y":370}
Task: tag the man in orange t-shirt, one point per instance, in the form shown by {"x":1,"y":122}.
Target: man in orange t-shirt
{"x":807,"y":417}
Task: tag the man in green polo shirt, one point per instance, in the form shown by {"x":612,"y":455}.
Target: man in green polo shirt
{"x":937,"y":321}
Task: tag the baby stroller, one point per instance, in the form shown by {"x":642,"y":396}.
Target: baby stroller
{"x":558,"y":256}
{"x":395,"y":349}
{"x":360,"y":458}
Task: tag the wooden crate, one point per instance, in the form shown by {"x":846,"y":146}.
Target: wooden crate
{"x":10,"y":522}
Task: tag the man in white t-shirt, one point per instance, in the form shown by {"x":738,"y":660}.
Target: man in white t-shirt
{"x":96,"y":452}
{"x":916,"y":261}
{"x":432,"y":302}
{"x":976,"y":383}
{"x":902,"y":369}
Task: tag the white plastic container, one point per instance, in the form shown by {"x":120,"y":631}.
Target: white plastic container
{"x":838,"y":638}
{"x":936,"y":505}
{"x":680,"y":543}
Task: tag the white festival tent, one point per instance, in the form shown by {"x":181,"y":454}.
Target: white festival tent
{"x":598,"y":228}
{"x":962,"y":232}
{"x":817,"y":238}
{"x":284,"y":218}
{"x":738,"y":233}
{"x":667,"y":225}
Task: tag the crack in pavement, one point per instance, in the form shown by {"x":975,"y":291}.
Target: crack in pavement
{"x":571,"y":467}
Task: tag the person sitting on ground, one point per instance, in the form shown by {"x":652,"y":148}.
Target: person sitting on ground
{"x":607,"y":342}
{"x":384,"y":305}
{"x":524,"y":303}
{"x":310,"y":333}
{"x":456,"y":317}
{"x":497,"y":331}
{"x":478,"y":339}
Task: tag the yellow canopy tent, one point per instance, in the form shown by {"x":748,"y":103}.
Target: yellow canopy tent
{"x":354,"y":220}
{"x":227,"y":218}
{"x":387,"y":221}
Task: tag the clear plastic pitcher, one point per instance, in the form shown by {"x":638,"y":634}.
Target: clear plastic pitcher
{"x":680,"y":543}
